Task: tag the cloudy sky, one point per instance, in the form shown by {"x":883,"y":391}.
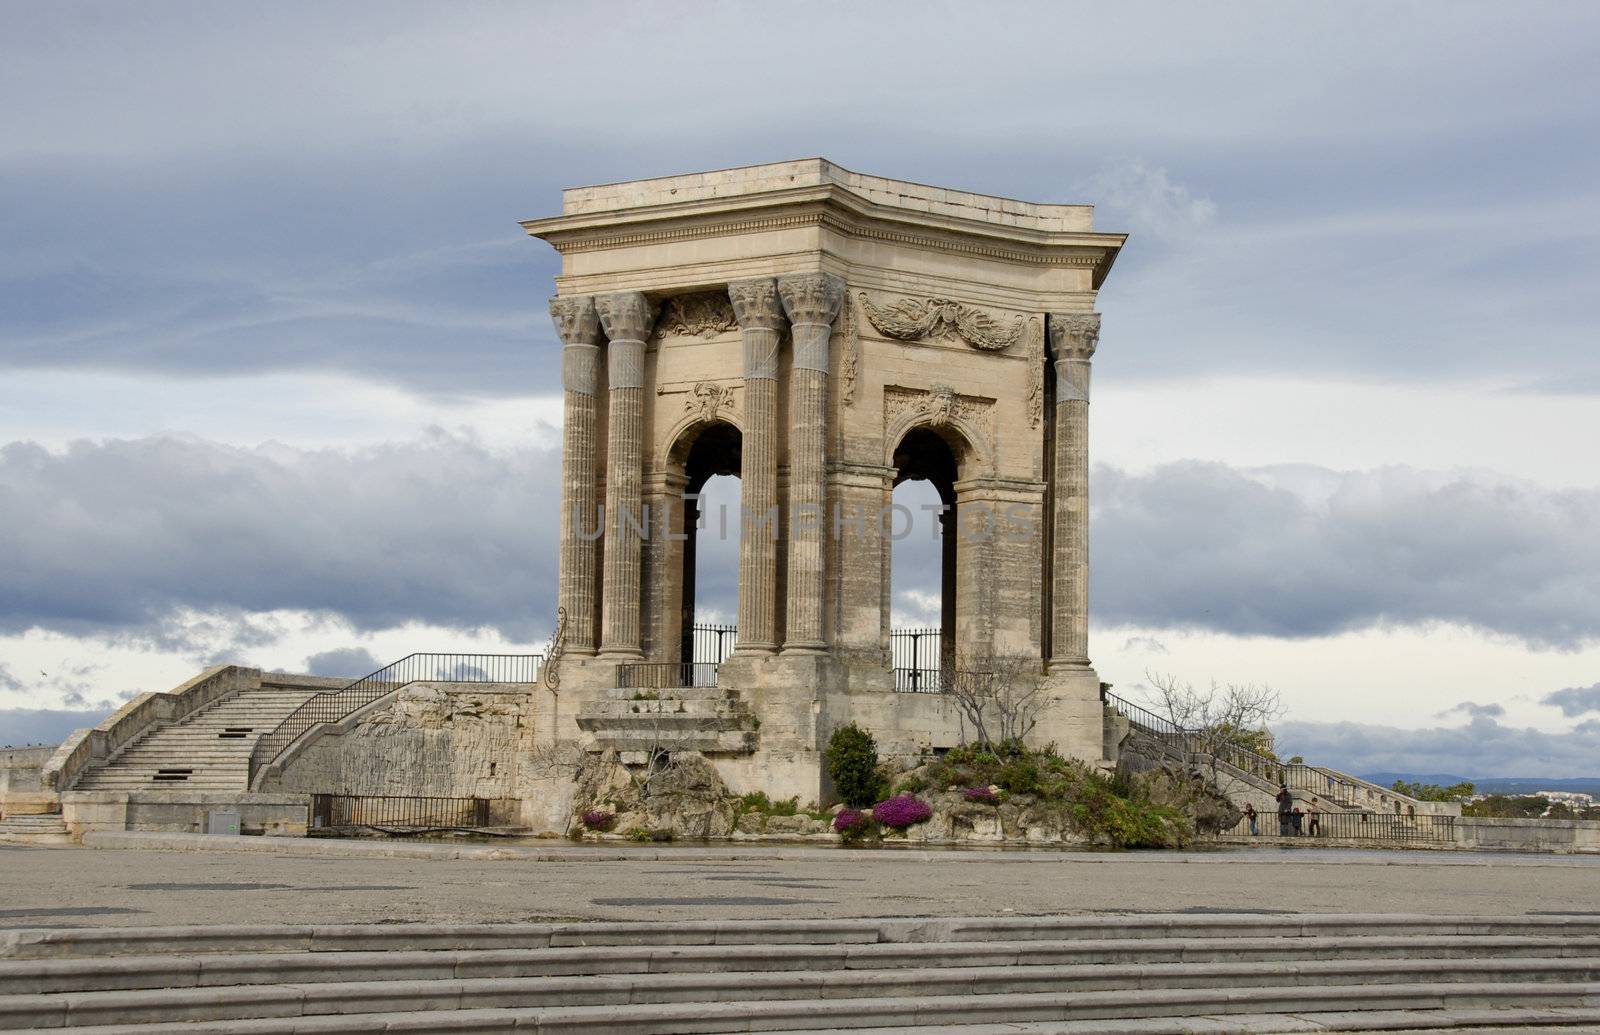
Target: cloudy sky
{"x":275,"y":369}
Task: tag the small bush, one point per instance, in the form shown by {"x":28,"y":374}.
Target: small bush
{"x":757,"y":801}
{"x":854,"y":825}
{"x":901,"y":811}
{"x":599,"y":819}
{"x":640,"y":835}
{"x":852,"y":761}
{"x":981,"y":795}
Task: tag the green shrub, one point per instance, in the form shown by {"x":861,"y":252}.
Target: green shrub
{"x":852,"y":761}
{"x":757,"y":801}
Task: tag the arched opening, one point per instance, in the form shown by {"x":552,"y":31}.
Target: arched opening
{"x":923,"y":547}
{"x":710,"y":583}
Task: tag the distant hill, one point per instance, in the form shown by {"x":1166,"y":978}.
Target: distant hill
{"x":1496,"y":784}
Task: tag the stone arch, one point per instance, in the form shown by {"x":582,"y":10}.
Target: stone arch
{"x":685,"y":431}
{"x":973,"y":452}
{"x":699,"y":449}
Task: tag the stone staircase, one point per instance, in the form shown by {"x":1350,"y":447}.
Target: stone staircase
{"x":47,"y":829}
{"x":208,"y":750}
{"x":706,"y":719}
{"x":1139,"y":973}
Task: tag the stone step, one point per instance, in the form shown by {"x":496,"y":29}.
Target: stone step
{"x":726,"y":742}
{"x":639,"y":725}
{"x":675,"y":710}
{"x":682,"y":693}
{"x":1482,"y":1021}
{"x":606,"y":1009}
{"x":85,"y":943}
{"x":180,"y":971}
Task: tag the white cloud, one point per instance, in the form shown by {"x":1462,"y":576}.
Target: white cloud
{"x":1136,"y":197}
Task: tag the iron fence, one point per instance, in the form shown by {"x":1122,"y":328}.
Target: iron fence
{"x":711,"y":644}
{"x":333,"y":706}
{"x":917,"y":657}
{"x":665,"y":675}
{"x":370,"y":810}
{"x":1351,"y":826}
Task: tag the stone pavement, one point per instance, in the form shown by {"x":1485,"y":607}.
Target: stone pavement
{"x":56,"y":887}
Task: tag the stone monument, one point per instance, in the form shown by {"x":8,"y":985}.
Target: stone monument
{"x":824,"y":335}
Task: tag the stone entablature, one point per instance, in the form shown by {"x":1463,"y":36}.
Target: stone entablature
{"x":844,"y":332}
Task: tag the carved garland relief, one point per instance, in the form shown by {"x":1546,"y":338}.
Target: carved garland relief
{"x":707,"y":314}
{"x":913,"y":319}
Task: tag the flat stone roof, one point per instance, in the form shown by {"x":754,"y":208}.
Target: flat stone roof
{"x":774,"y":177}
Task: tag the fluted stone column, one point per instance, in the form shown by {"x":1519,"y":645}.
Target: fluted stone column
{"x":760,"y":315}
{"x":812,"y":301}
{"x":578,"y":324}
{"x":627,"y":317}
{"x":1073,"y":337}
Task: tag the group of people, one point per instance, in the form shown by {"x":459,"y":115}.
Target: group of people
{"x":1292,"y":820}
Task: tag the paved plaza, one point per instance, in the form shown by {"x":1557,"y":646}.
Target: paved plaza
{"x":53,"y":887}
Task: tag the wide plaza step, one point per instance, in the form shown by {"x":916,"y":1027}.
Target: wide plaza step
{"x":1127,"y":973}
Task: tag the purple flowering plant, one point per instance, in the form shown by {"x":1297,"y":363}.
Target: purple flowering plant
{"x":599,"y":819}
{"x":981,"y":795}
{"x":901,"y":811}
{"x":850,"y":821}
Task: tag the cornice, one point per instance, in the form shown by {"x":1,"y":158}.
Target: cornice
{"x":828,"y":207}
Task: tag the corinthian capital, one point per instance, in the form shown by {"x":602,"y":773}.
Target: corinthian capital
{"x":755,"y":303}
{"x":1074,"y":335}
{"x":576,"y":320}
{"x":811,"y":297}
{"x":627,"y":315}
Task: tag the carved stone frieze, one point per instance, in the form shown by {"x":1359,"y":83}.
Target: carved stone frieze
{"x":844,"y":329}
{"x":707,"y":399}
{"x":914,"y":319}
{"x":1035,"y":356}
{"x":706,"y":314}
{"x":938,"y":407}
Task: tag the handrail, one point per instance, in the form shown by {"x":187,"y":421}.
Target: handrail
{"x":331,"y":706}
{"x":1296,"y":775}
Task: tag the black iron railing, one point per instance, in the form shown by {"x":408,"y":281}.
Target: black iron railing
{"x":371,"y":810}
{"x":335,"y":705}
{"x":711,"y":644}
{"x":1351,"y":826}
{"x":666,"y":675}
{"x":1326,"y":784}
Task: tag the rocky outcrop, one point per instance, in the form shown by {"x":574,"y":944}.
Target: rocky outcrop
{"x":1165,"y":780}
{"x":681,"y":796}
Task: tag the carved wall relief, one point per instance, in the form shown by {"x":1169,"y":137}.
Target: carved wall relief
{"x":939,"y":406}
{"x":844,"y":329}
{"x":1035,"y":355}
{"x":705,"y":313}
{"x":707,"y":399}
{"x":913,"y":319}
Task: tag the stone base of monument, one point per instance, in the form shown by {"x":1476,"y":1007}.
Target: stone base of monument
{"x":1150,"y":974}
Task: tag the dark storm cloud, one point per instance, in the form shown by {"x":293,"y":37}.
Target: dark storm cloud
{"x":1345,"y":190}
{"x":1209,"y":546}
{"x":353,"y":662}
{"x":1575,"y":700}
{"x":1482,"y":748}
{"x":23,"y":727}
{"x":118,"y":536}
{"x":134,"y":537}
